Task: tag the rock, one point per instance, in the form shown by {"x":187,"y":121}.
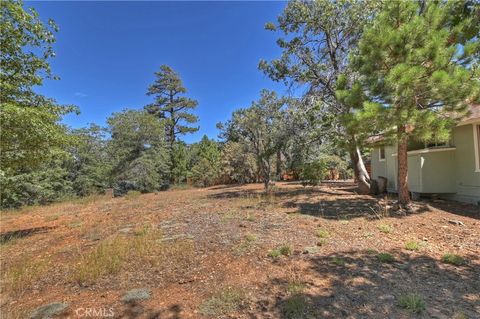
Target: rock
{"x":136,"y":295}
{"x":48,"y":311}
{"x":456,"y":222}
{"x":311,"y":250}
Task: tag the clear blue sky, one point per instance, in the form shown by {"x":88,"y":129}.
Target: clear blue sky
{"x":107,"y":53}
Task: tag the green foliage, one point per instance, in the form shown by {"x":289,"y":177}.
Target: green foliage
{"x":238,"y":164}
{"x":412,"y":245}
{"x":25,"y":47}
{"x":138,"y":150}
{"x":385,"y":258}
{"x":417,"y":87}
{"x":222,"y":303}
{"x":453,"y":259}
{"x":48,"y":183}
{"x":171,"y":106}
{"x":262,"y":128}
{"x":412,"y":302}
{"x":312,"y":173}
{"x":206,"y":170}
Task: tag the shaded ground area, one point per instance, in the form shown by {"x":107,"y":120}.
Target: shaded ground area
{"x":237,"y":252}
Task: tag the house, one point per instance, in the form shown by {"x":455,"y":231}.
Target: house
{"x":451,"y":170}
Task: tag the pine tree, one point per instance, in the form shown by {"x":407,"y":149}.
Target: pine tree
{"x":171,"y":105}
{"x":419,"y":60}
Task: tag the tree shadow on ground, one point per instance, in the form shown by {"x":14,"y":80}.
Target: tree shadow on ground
{"x":16,"y":234}
{"x":357,"y":284}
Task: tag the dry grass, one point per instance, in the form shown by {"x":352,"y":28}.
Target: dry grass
{"x":21,"y":276}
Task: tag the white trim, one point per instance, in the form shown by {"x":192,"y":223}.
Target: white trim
{"x":471,"y":121}
{"x":429,"y":150}
{"x":380,"y":159}
{"x":475,"y":146}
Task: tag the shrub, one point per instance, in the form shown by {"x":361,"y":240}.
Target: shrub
{"x":385,"y":257}
{"x":385,"y":228}
{"x":222,"y":303}
{"x":274,"y":253}
{"x":250,"y":237}
{"x":412,"y":245}
{"x":412,"y":302}
{"x":322,"y":233}
{"x":296,"y":306}
{"x":453,"y":259}
{"x":286,"y":250}
{"x":312,"y":173}
{"x":338,"y":261}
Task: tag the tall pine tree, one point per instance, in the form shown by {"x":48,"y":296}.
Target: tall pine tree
{"x":171,"y":105}
{"x":420,"y":60}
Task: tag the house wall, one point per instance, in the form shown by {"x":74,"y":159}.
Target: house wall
{"x":467,"y":180}
{"x":450,"y":173}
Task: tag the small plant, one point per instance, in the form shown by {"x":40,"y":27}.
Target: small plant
{"x":385,"y":258}
{"x":296,"y":306}
{"x":412,"y":302}
{"x":250,"y":217}
{"x":412,"y":245}
{"x":23,"y":275}
{"x":285,"y":250}
{"x":384,"y":228}
{"x":338,"y":261}
{"x":274,"y":253}
{"x":133,"y":194}
{"x":222,"y":303}
{"x":322,"y":233}
{"x":296,"y":287}
{"x":277,"y":252}
{"x":453,"y":259}
{"x":250,"y":237}
{"x":371,"y":251}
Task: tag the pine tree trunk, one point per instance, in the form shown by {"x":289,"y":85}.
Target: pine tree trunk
{"x":360,"y":171}
{"x":403,"y":194}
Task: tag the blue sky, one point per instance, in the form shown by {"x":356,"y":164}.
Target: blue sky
{"x":107,"y":53}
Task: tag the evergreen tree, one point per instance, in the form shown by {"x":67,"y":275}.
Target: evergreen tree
{"x":318,"y":36}
{"x":419,"y":60}
{"x":171,"y":105}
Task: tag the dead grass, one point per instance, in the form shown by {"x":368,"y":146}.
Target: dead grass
{"x":222,"y":303}
{"x":20,"y":277}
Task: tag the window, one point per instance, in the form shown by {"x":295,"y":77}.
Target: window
{"x":381,"y":154}
{"x":476,"y":141}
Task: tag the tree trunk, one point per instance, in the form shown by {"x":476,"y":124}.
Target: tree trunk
{"x":279,"y":166}
{"x":403,"y":194}
{"x":360,"y":171}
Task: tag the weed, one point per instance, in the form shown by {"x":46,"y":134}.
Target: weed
{"x":412,"y":245}
{"x":384,"y":228}
{"x":132,"y":195}
{"x":322,"y":233}
{"x":250,"y":237}
{"x":250,"y":217}
{"x":222,"y":303}
{"x":296,"y":287}
{"x":296,"y":306}
{"x":412,"y":302}
{"x":385,"y":258}
{"x":274,"y":253}
{"x":24,"y":274}
{"x":285,"y":250}
{"x":371,"y":251}
{"x":453,"y":259}
{"x":338,"y":261}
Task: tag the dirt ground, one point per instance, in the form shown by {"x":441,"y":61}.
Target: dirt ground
{"x":236,"y":252}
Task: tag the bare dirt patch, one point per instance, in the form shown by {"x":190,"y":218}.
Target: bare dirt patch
{"x":208,"y":253}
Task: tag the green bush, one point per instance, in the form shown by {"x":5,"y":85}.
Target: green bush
{"x":312,"y":173}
